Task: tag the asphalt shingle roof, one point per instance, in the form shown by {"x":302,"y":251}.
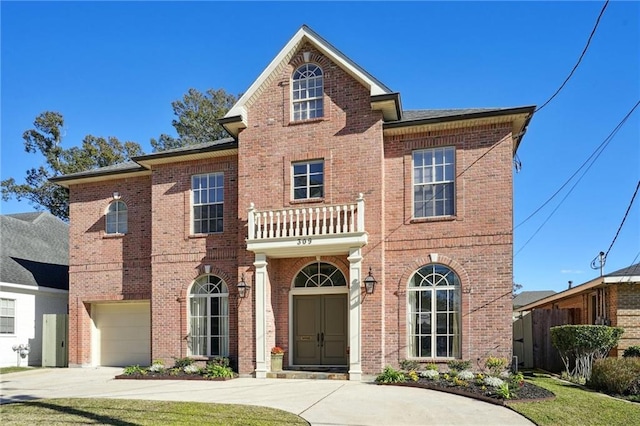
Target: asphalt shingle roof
{"x":34,"y":250}
{"x":527,"y":297}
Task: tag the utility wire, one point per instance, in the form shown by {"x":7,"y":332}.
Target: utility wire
{"x":607,"y":140}
{"x":584,"y":51}
{"x":623,"y":220}
{"x":602,"y":146}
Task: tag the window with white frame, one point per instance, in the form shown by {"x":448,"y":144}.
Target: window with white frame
{"x":307,"y":91}
{"x":7,"y":316}
{"x":208,"y":202}
{"x":116,"y":218}
{"x":434,"y":313}
{"x":434,"y":182}
{"x":308,"y":179}
{"x":209,"y":317}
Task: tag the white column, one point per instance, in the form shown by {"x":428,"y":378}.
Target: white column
{"x":355,"y":326}
{"x":260,"y":291}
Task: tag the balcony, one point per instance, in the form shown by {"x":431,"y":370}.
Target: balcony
{"x":307,"y":231}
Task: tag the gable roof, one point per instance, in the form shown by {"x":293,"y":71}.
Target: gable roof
{"x":35,"y":250}
{"x":526,"y":297}
{"x":629,"y":274}
{"x":386,"y":99}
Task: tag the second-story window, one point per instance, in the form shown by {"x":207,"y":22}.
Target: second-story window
{"x":433,"y":182}
{"x":116,"y":218}
{"x":208,"y":202}
{"x":307,"y":90}
{"x":308,"y":180}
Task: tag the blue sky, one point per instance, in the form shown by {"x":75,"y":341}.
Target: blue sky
{"x":113,"y":69}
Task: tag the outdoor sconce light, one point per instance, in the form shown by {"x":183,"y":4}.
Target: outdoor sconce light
{"x":116,"y":195}
{"x":207,"y":269}
{"x":369,"y":282}
{"x":243,"y":287}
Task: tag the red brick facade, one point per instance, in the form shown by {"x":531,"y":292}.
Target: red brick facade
{"x":159,"y":257}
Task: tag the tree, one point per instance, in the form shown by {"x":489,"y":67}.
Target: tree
{"x":46,"y":138}
{"x":516,"y":288}
{"x":197,"y":119}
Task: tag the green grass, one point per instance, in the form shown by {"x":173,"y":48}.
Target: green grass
{"x":138,"y":412}
{"x":576,"y":406}
{"x":5,"y":370}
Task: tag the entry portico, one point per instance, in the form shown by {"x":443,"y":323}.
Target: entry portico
{"x":330,"y":230}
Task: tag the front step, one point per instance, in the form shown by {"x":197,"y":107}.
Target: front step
{"x":296,"y":374}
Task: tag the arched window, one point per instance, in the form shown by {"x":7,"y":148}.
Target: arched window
{"x":434,"y":313}
{"x":307,"y":90}
{"x":116,"y":218}
{"x":319,"y":274}
{"x":209,"y":317}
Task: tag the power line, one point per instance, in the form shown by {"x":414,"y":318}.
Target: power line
{"x":600,"y":148}
{"x":623,"y":220}
{"x":584,"y":51}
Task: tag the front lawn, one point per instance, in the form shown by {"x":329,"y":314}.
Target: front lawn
{"x":576,"y":406}
{"x":6,"y":370}
{"x":130,"y":412}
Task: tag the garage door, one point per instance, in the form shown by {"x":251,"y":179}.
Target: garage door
{"x":122,"y":334}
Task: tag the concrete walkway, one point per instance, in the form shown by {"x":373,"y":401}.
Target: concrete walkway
{"x":320,"y":402}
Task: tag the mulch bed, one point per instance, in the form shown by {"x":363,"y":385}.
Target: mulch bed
{"x":528,"y":392}
{"x":179,"y":376}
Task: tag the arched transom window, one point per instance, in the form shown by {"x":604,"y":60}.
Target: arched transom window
{"x":307,"y":90}
{"x":209,"y":317}
{"x":319,"y":274}
{"x":434,"y":313}
{"x":116,"y":218}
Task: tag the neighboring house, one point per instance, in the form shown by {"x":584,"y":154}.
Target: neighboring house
{"x":526,"y":297}
{"x":325,"y":183}
{"x":34,"y":280}
{"x":612,"y":299}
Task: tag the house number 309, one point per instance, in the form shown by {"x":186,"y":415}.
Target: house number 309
{"x":304,"y":241}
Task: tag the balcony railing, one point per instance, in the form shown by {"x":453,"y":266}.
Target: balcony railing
{"x":303,"y":222}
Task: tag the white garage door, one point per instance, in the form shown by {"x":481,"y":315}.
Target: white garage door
{"x":123,"y":334}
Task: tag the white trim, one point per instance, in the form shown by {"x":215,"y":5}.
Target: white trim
{"x":622,"y":279}
{"x":8,"y":286}
{"x":260,"y":292}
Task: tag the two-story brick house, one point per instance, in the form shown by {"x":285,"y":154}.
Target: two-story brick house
{"x":324,"y":182}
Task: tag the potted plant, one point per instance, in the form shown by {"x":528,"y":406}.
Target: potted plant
{"x":277,"y":353}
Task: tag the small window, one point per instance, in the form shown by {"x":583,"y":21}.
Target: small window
{"x":434,"y":182}
{"x":307,"y":92}
{"x":7,"y":316}
{"x":308,"y":180}
{"x":116,"y":218}
{"x":208,"y":203}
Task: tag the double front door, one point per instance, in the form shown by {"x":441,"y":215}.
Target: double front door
{"x":320,"y":330}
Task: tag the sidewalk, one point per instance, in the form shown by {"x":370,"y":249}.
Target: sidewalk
{"x":320,"y":402}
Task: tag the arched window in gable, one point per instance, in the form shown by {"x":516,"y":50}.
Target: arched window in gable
{"x":307,"y":91}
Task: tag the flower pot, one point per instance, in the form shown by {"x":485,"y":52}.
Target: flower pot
{"x":276,"y":362}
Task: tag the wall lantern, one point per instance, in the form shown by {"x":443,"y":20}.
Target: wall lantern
{"x":116,"y":195}
{"x":207,"y":269}
{"x":243,"y":287}
{"x":369,"y":282}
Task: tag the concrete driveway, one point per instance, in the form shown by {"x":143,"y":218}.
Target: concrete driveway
{"x":320,"y":402}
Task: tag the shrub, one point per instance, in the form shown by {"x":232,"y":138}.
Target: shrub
{"x":157,"y":366}
{"x":430,"y":374}
{"x":631,"y":351}
{"x":409,"y":365}
{"x":180,"y":363}
{"x":466,"y":375}
{"x":191,"y":369}
{"x":390,"y":375}
{"x":431,"y":367}
{"x":616,"y":376}
{"x":458,"y":365}
{"x":215,"y":370}
{"x":132,"y":370}
{"x":413,"y":375}
{"x":495,"y":365}
{"x":580,"y":345}
{"x":494,"y":382}
{"x":221,"y":360}
{"x":503,"y":391}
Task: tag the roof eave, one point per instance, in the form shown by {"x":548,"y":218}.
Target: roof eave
{"x":219,"y":150}
{"x":66,"y":181}
{"x":389,"y":104}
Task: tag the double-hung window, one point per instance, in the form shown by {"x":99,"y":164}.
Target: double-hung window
{"x":307,"y":91}
{"x":308,"y":180}
{"x":208,"y":202}
{"x":7,"y":316}
{"x":434,"y":182}
{"x":116,"y":218}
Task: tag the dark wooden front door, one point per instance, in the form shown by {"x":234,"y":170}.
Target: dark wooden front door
{"x":320,"y":329}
